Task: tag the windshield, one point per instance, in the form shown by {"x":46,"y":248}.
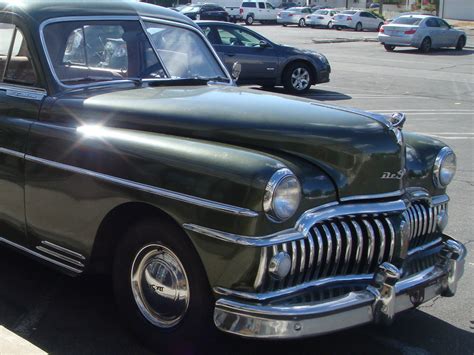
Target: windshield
{"x":96,"y":51}
{"x":407,"y":21}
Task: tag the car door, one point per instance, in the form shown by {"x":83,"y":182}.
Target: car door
{"x":434,"y":32}
{"x":449,"y":36}
{"x":21,"y":97}
{"x":271,"y":12}
{"x":262,"y":11}
{"x":365,"y":20}
{"x":373,"y":20}
{"x":237,"y":44}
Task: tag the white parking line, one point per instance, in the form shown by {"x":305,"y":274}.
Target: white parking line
{"x":11,"y":343}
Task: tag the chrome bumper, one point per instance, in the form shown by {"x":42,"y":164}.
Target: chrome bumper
{"x":379,"y":302}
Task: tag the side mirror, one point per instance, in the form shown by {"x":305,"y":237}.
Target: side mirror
{"x":264,"y":44}
{"x":236,"y":70}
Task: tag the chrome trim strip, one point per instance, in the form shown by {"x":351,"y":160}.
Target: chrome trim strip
{"x":348,"y":252}
{"x":12,"y":153}
{"x":371,"y":244}
{"x":59,"y":256}
{"x":397,"y":193}
{"x":338,"y":248}
{"x":318,"y":270}
{"x":392,"y":239}
{"x":295,"y":289}
{"x":302,"y":260}
{"x":383,"y":240}
{"x":218,"y":206}
{"x":360,"y":246}
{"x":311,"y":258}
{"x":23,"y":92}
{"x":41,"y":256}
{"x":439,"y":200}
{"x":327,"y":235}
{"x":63,"y":249}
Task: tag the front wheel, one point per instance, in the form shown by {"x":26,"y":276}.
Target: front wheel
{"x":389,"y":47}
{"x":301,"y":22}
{"x":161,"y":287}
{"x":461,"y":43}
{"x":330,"y":25}
{"x":249,"y":20}
{"x":425,"y":46}
{"x":297,"y":78}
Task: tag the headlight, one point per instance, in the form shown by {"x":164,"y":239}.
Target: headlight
{"x":282,"y":195}
{"x":444,"y":167}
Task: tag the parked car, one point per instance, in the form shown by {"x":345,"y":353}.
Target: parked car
{"x":321,"y":18}
{"x":422,"y":32}
{"x":232,"y":7}
{"x":264,"y":62}
{"x":357,"y":20}
{"x":210,"y":206}
{"x":293,"y":16}
{"x":263,"y":12}
{"x":205,"y":12}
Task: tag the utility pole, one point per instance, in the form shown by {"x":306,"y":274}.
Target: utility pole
{"x":381,"y":8}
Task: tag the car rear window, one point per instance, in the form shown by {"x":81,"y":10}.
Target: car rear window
{"x":407,"y":21}
{"x":322,"y":12}
{"x":348,"y":12}
{"x":249,"y":4}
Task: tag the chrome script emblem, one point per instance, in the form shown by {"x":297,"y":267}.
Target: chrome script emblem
{"x":387,"y":175}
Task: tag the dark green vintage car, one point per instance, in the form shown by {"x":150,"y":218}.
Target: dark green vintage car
{"x":125,"y":148}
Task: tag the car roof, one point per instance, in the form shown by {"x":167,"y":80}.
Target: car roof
{"x":418,"y":16}
{"x":41,"y":10}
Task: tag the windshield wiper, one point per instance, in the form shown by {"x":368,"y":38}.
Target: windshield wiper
{"x":197,"y":80}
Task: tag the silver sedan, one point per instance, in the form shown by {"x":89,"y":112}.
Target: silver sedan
{"x":294,"y":16}
{"x":422,"y":32}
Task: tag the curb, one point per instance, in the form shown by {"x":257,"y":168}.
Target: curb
{"x":344,"y":40}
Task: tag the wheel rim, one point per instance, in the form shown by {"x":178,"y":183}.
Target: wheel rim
{"x":358,"y":27}
{"x":301,"y":23}
{"x":300,"y":79}
{"x":250,"y":20}
{"x":426,"y":45}
{"x":330,"y":24}
{"x":160,"y":285}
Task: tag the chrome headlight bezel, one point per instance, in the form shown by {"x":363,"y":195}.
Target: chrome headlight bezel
{"x":439,"y":179}
{"x":271,"y":204}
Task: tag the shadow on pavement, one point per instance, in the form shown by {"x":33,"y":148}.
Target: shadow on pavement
{"x":435,"y":52}
{"x":63,"y":315}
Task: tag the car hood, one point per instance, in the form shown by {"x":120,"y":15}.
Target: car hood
{"x":354,"y":148}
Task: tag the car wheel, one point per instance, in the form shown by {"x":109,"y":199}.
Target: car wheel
{"x":161,"y":287}
{"x":425,"y":46}
{"x":284,"y":25}
{"x":461,"y":43}
{"x":301,"y":22}
{"x":330,"y":25}
{"x":389,"y":47}
{"x":249,"y":20}
{"x":358,"y":27}
{"x":338,"y":28}
{"x":297,"y":78}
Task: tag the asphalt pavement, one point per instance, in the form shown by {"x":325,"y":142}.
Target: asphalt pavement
{"x":42,"y":311}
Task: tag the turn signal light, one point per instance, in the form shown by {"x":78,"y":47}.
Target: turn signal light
{"x":410,"y":32}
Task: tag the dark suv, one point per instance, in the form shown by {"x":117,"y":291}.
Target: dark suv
{"x":205,"y":12}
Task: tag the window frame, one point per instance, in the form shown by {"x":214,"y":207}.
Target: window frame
{"x":36,"y":91}
{"x":141,"y":20}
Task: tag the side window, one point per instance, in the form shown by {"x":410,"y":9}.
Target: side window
{"x":363,"y":14}
{"x":442,"y":23}
{"x":20,"y":67}
{"x":261,"y":5}
{"x":6,"y":35}
{"x":431,"y":22}
{"x":270,"y":6}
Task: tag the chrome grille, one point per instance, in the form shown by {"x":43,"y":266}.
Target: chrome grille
{"x":348,"y":245}
{"x":339,"y":246}
{"x":422,"y":221}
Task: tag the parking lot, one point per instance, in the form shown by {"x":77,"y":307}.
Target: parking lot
{"x":44,"y":311}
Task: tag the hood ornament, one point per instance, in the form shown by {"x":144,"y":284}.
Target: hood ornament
{"x":396,"y":122}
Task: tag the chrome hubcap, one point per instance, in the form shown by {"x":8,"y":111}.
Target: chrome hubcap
{"x":300,"y":78}
{"x":160,"y":286}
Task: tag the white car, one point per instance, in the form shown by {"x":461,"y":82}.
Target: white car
{"x":323,"y":17}
{"x":293,"y":16}
{"x":263,"y":12}
{"x":422,"y":32}
{"x":358,"y":20}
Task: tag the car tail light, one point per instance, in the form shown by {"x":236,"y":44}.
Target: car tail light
{"x":321,"y":17}
{"x":290,"y":15}
{"x":410,"y":32}
{"x":349,"y":18}
{"x":381,"y":30}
